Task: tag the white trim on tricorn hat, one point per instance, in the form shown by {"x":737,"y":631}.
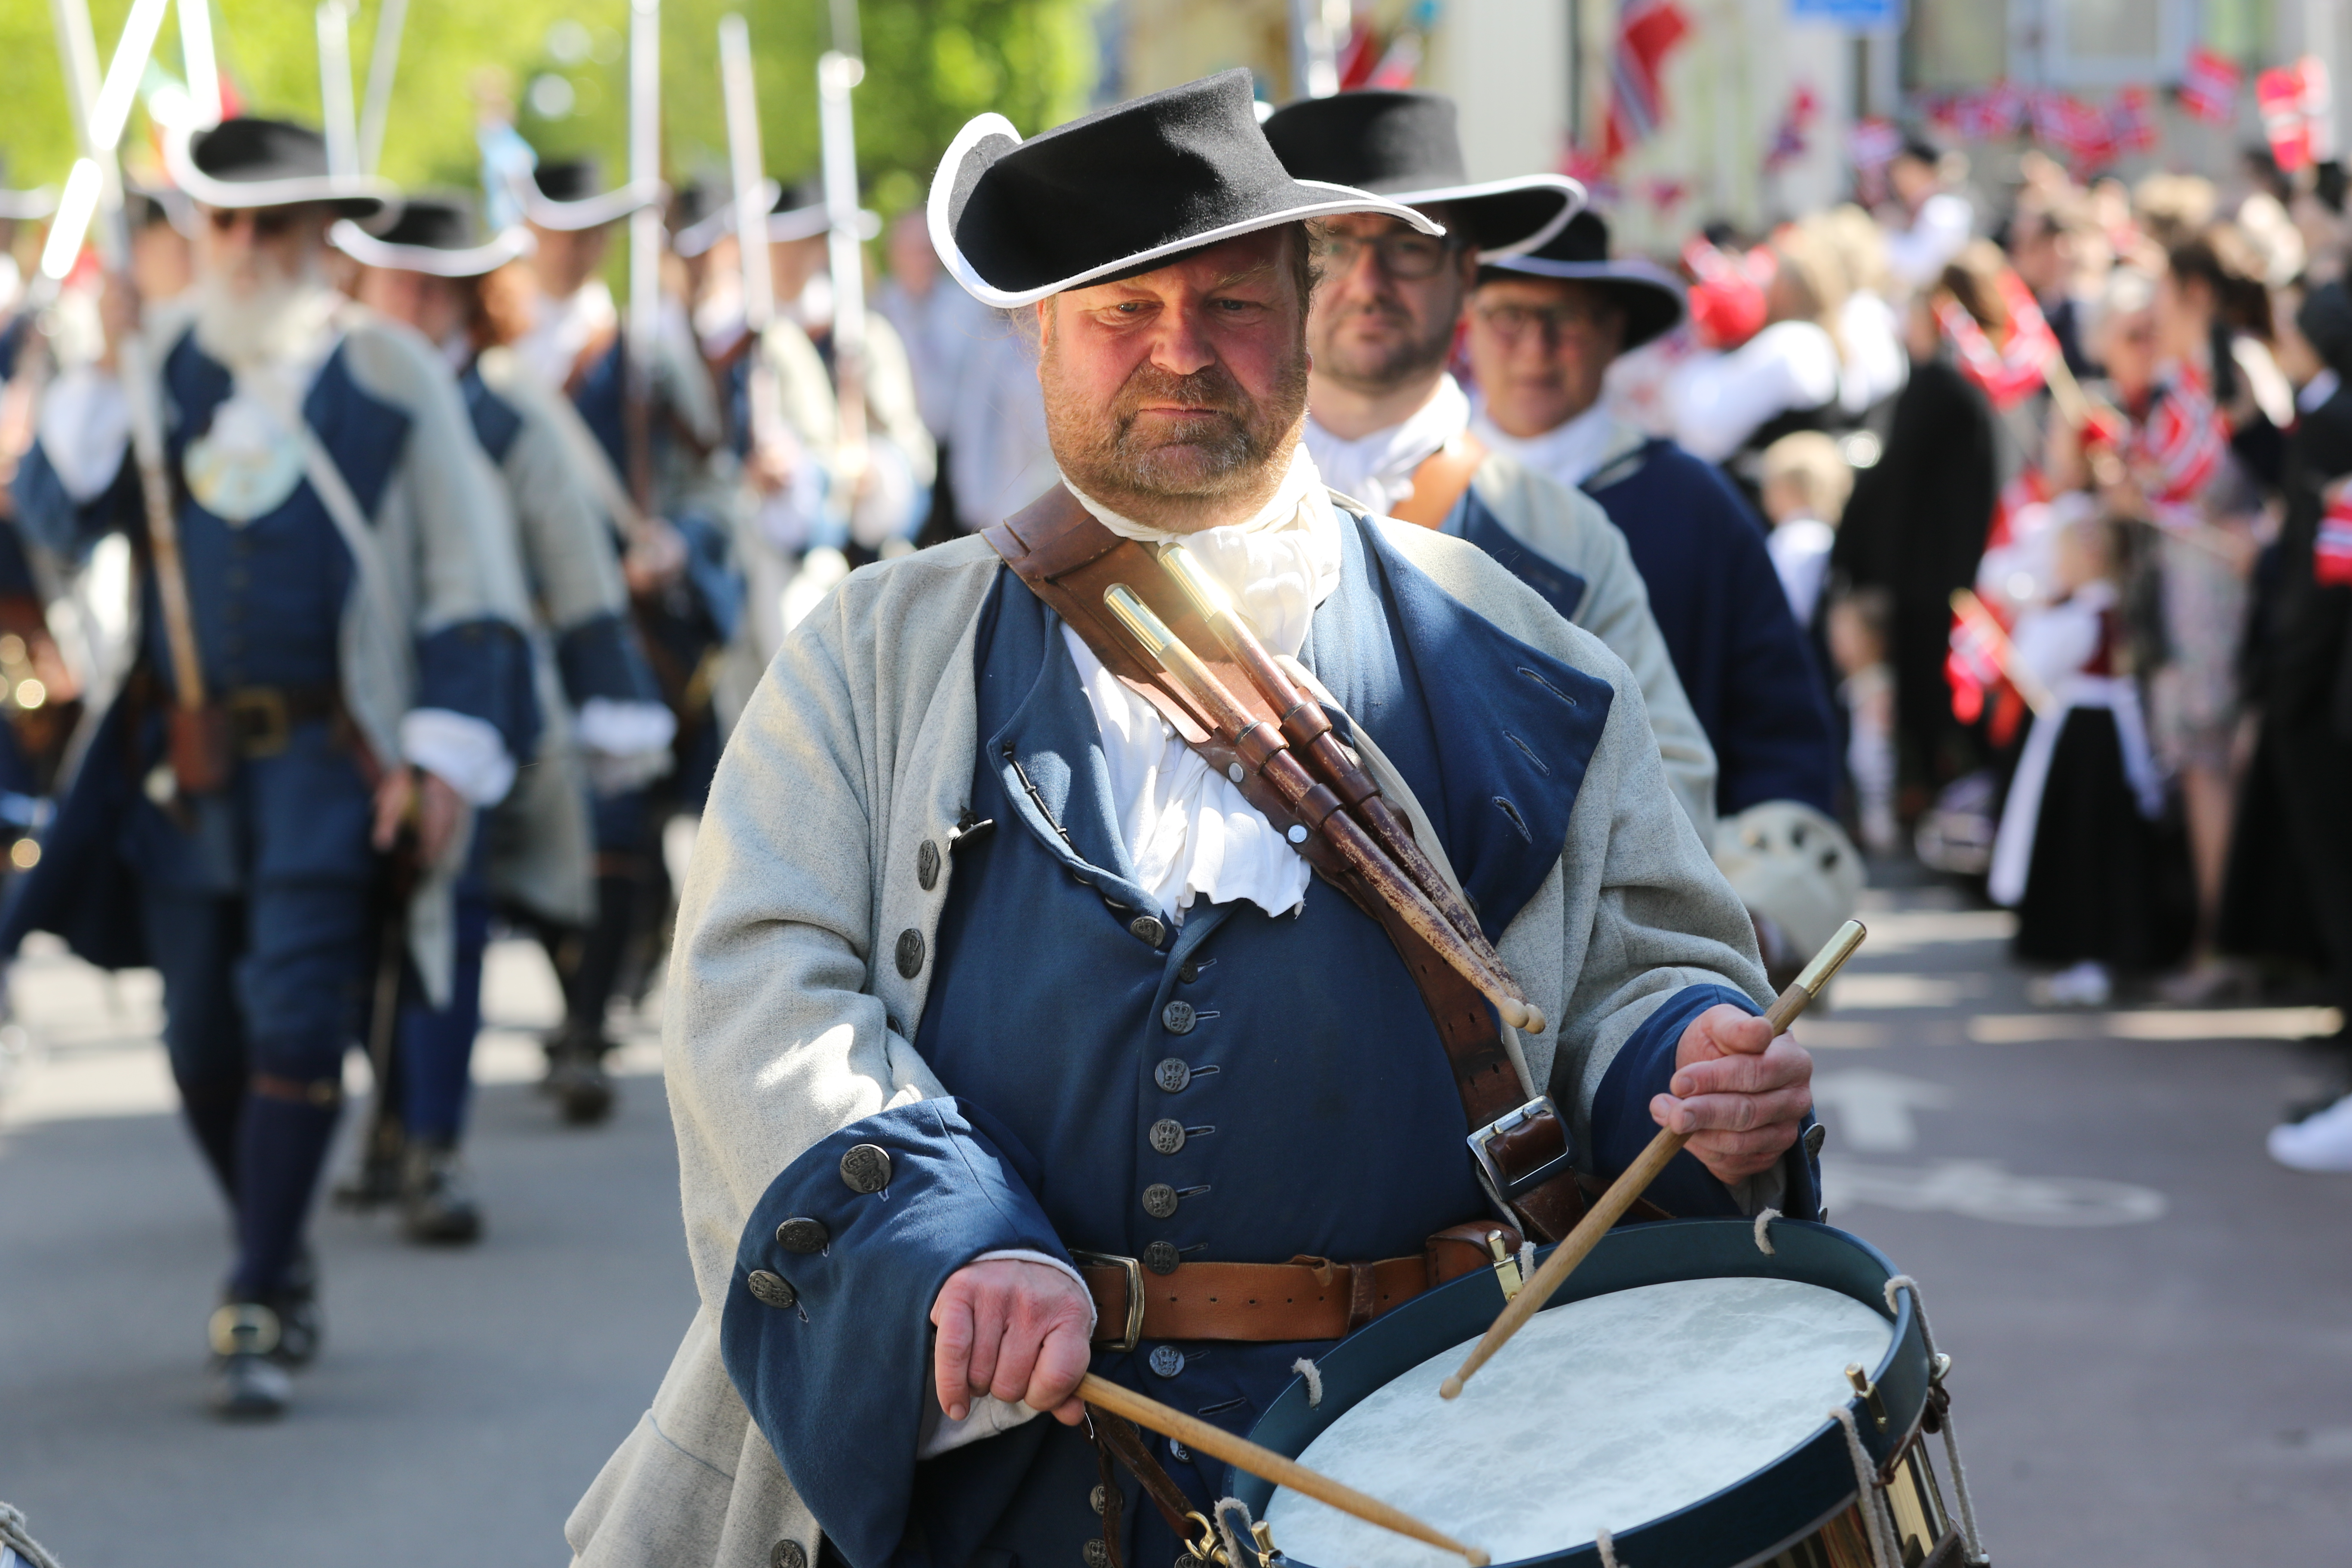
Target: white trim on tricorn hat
{"x":1407,"y":147}
{"x":557,"y":216}
{"x":286,"y":173}
{"x":27,"y":206}
{"x":1175,"y":170}
{"x":805,"y":221}
{"x":1652,"y":297}
{"x":472,"y":261}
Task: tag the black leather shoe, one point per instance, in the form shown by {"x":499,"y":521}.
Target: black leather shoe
{"x":582,"y":1087}
{"x":375,"y":1181}
{"x":436,"y":1206}
{"x":247,"y":1383}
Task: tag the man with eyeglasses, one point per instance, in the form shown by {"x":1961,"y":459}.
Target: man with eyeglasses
{"x":356,"y":611}
{"x":1389,"y":427}
{"x":1543,"y":326}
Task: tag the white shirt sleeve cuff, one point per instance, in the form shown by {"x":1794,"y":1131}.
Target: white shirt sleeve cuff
{"x":467,"y":753}
{"x":624,"y":729}
{"x":988,"y":1415}
{"x":85,"y":425}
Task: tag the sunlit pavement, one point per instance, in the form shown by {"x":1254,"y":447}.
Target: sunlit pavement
{"x":2151,"y":1325}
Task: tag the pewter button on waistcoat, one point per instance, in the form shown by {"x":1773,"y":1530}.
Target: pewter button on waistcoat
{"x":1147,"y":929}
{"x":1815,"y":1136}
{"x":1172,"y":1076}
{"x":866,"y":1169}
{"x":1167,"y":1360}
{"x":1095,"y":1496}
{"x":1167,"y":1135}
{"x":770,"y":1288}
{"x":803,"y":1234}
{"x":927,"y":865}
{"x":910,"y":952}
{"x":1178,"y":1017}
{"x":788,"y":1554}
{"x":1162,"y":1258}
{"x":1160,"y":1200}
{"x":1096,"y":1552}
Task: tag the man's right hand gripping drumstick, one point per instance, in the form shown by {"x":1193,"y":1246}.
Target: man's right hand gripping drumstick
{"x":1681,"y":1119}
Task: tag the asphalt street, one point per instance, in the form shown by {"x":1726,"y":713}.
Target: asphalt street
{"x":2152,"y":1324}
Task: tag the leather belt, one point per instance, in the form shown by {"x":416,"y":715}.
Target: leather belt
{"x":1272,"y":1303}
{"x":261,"y":719}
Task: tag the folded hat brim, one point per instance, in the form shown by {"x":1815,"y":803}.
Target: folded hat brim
{"x":696,"y":238}
{"x":1504,"y":217}
{"x":351,"y":196}
{"x":473,"y":261}
{"x":783,"y":227}
{"x":28,"y":206}
{"x":592,"y":212}
{"x":1303,"y":200}
{"x":1652,"y":298}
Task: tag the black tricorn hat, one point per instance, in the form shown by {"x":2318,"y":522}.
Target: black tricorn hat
{"x":1652,"y":297}
{"x":1118,"y":192}
{"x":1407,"y":146}
{"x":794,"y":212}
{"x":254,"y":162}
{"x":435,"y":233}
{"x":569,"y":194}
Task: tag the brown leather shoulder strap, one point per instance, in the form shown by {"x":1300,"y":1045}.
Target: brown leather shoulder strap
{"x":1438,"y":483}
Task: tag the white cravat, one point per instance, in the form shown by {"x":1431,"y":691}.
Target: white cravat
{"x":1377,"y":469}
{"x":1188,"y":829}
{"x":1568,"y":453}
{"x":562,"y":329}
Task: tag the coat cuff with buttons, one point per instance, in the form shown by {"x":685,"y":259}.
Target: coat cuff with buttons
{"x":833,"y":1280}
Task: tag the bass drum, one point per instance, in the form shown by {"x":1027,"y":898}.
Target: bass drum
{"x":1671,"y":1407}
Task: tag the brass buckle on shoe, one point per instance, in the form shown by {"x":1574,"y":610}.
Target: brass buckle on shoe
{"x":1133,"y":1268}
{"x":1502,"y":1189}
{"x":243,"y":1328}
{"x":257,"y":719}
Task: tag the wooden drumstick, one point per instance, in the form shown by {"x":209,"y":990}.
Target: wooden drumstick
{"x":1265,"y":1463}
{"x":1612,"y":1204}
{"x":1347,"y":835}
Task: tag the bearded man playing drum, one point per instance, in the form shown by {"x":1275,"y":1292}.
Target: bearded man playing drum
{"x":1010,"y":1036}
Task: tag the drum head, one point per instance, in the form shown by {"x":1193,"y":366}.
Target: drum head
{"x":1676,"y":1392}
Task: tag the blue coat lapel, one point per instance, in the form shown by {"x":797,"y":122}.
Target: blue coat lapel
{"x":1491,"y":735}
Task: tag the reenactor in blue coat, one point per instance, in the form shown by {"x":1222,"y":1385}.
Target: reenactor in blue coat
{"x":333,"y":575}
{"x":1017,"y":1028}
{"x":607,"y":731}
{"x":661,"y":466}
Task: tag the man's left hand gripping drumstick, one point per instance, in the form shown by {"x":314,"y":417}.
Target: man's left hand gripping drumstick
{"x":1739,"y":1092}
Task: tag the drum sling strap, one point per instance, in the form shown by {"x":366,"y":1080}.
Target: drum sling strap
{"x":1069,"y":560}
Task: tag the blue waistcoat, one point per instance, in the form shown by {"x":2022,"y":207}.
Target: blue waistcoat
{"x":1474,"y":520}
{"x":1742,"y":659}
{"x":1318,"y":1113}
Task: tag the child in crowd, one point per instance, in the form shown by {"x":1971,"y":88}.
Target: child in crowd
{"x":1806,"y":482}
{"x":1857,"y":640}
{"x":2079,"y":854}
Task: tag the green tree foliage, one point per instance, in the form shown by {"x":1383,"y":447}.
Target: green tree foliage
{"x":930,"y":65}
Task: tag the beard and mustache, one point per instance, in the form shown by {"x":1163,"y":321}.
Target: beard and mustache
{"x":1377,"y":366}
{"x":1164,"y":475}
{"x":266,"y":314}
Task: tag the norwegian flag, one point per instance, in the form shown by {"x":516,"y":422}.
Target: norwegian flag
{"x":2131,"y":121}
{"x":2331,"y":552}
{"x":2279,"y":95}
{"x":2209,"y":85}
{"x":1990,"y":115}
{"x":2180,"y":448}
{"x":2014,"y":371}
{"x":2065,"y":122}
{"x":1647,"y":32}
{"x":1872,"y":143}
{"x":1971,"y":666}
{"x":1789,"y":140}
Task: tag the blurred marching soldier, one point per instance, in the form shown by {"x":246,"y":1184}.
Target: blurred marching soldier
{"x":940,"y":324}
{"x":1543,"y":326}
{"x":334,"y":664}
{"x":607,"y":729}
{"x":657,"y":472}
{"x":38,"y":688}
{"x":1391,"y":427}
{"x":981,"y":961}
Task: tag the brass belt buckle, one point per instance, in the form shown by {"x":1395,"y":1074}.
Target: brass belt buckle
{"x":1502,"y":1189}
{"x":1133,"y":1268}
{"x":257,"y":719}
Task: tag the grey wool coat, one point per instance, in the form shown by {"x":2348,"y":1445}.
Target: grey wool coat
{"x":786,"y":1018}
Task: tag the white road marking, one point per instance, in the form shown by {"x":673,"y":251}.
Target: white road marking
{"x":2155,"y":1024}
{"x":1865,"y":992}
{"x":1874,"y":1109}
{"x":1983,"y":1189}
